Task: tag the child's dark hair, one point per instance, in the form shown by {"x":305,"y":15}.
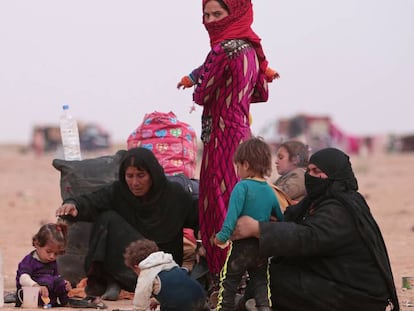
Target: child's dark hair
{"x":257,"y":153}
{"x":51,"y":232}
{"x":298,"y":152}
{"x":138,"y":250}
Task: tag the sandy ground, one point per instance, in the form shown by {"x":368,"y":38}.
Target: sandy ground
{"x":30,"y":193}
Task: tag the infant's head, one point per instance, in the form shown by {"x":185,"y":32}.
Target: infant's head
{"x":138,"y":250}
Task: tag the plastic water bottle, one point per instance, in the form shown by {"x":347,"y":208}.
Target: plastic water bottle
{"x":70,"y":135}
{"x":1,"y":282}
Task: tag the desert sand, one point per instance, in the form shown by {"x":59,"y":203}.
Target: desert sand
{"x":30,"y":194}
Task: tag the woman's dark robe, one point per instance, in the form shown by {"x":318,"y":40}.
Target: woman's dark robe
{"x":329,"y":254}
{"x":119,"y":217}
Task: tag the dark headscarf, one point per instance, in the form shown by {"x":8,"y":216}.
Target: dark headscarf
{"x":336,"y":165}
{"x":164,"y":208}
{"x":343,"y":187}
{"x":144,"y":159}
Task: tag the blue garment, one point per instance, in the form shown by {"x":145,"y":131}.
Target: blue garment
{"x":44,"y":274}
{"x":179,"y":292}
{"x":254,"y":198}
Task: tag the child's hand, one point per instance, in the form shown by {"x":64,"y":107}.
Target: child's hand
{"x":273,"y":218}
{"x":271,"y":74}
{"x":221,"y":244}
{"x":68,"y":286}
{"x":44,"y":292}
{"x":153,"y":303}
{"x":46,"y":301}
{"x":185,"y":82}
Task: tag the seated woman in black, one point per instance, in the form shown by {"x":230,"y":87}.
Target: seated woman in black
{"x":142,"y":203}
{"x":329,"y":253}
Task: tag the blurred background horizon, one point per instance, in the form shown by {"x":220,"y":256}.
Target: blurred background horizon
{"x":113,"y":63}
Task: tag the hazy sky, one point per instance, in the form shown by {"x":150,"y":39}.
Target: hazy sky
{"x":114,"y":61}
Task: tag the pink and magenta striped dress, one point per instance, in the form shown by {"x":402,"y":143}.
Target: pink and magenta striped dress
{"x":227,"y":82}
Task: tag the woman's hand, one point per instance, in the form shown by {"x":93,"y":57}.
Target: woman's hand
{"x":246,"y":227}
{"x":200,"y":251}
{"x":67,"y":209}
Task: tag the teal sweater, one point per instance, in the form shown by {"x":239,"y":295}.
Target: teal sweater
{"x":252,"y":198}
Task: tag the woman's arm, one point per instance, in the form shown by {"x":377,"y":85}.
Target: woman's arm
{"x":246,"y":227}
{"x":87,"y":206}
{"x":190,"y":80}
{"x":212,"y":68}
{"x":326,"y":230}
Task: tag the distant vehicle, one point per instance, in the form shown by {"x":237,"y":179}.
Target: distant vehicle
{"x":317,"y":131}
{"x":91,"y":136}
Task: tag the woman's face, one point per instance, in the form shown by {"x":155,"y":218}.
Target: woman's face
{"x":283,"y":163}
{"x":315,"y":171}
{"x":214,"y":12}
{"x":139,"y":181}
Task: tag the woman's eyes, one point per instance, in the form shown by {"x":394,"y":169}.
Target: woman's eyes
{"x":217,"y":14}
{"x":137,"y":176}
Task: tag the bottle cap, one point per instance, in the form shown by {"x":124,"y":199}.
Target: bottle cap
{"x":65,"y":107}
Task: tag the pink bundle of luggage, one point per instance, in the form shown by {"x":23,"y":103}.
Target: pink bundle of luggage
{"x":173,"y":142}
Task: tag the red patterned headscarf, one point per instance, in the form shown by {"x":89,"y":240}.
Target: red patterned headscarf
{"x":237,"y":25}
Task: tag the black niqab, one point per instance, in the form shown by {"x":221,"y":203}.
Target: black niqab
{"x":343,"y":187}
